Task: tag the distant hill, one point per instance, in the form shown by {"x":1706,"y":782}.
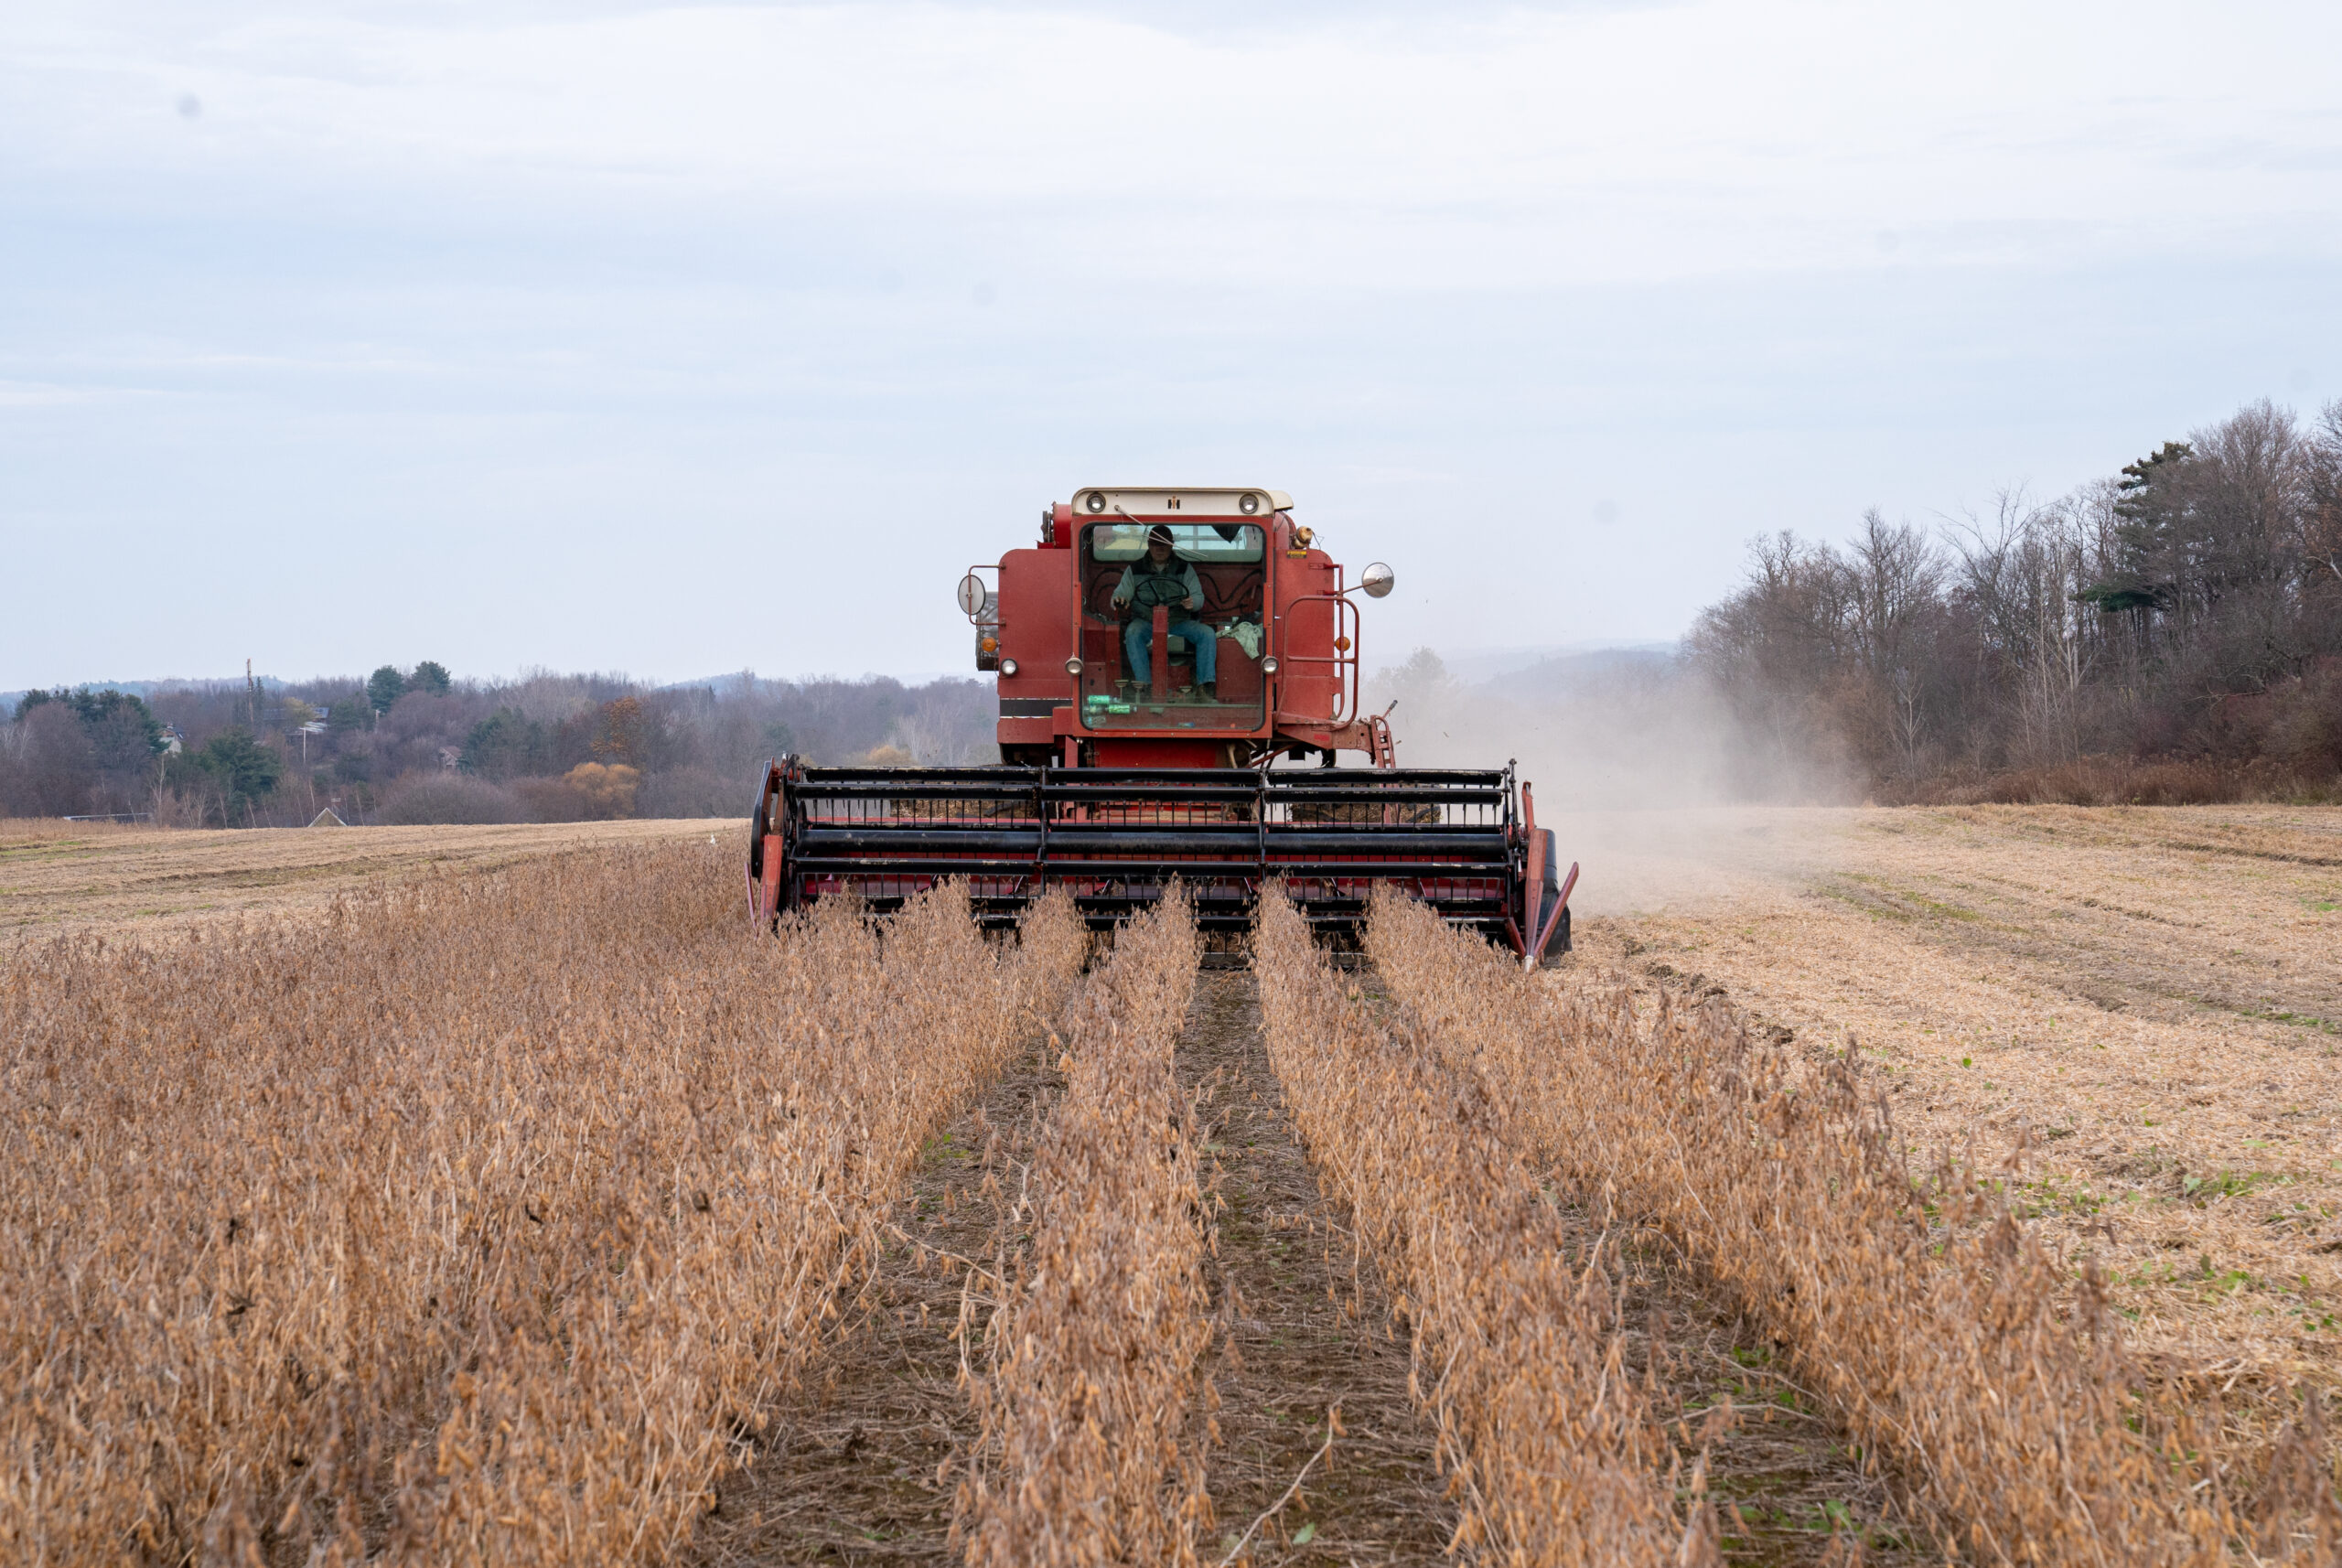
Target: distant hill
{"x":147,"y":689}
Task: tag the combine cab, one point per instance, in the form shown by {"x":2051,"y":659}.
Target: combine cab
{"x":1178,"y":670}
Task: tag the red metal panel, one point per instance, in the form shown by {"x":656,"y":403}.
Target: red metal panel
{"x":1309,"y":683}
{"x":1027,"y":731}
{"x":1148,"y":752}
{"x":1035,"y":588}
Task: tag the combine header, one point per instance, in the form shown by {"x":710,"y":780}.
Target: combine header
{"x":1170,"y":662}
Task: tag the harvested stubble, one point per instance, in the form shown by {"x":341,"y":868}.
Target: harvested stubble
{"x":1554,"y":1448}
{"x":1938,"y":1328}
{"x":477,"y":1222}
{"x":1092,"y":1426}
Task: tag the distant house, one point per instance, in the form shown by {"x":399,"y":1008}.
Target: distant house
{"x":174,"y":743}
{"x":325,"y":819}
{"x":449,"y":759}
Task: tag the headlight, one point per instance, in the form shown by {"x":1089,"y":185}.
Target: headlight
{"x":1008,"y":666}
{"x":1073,"y":666}
{"x":1269,"y":665}
{"x":1095,"y":500}
{"x":1248,"y":503}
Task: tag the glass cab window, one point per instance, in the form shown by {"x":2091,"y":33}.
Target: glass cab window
{"x":1211,"y":580}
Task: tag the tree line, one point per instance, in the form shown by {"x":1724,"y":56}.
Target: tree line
{"x":418,"y":745}
{"x":2170,"y":633}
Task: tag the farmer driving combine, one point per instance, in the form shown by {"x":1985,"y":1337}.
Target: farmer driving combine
{"x":1159,"y":579}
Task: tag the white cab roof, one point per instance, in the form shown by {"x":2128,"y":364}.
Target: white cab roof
{"x":1172,"y":501}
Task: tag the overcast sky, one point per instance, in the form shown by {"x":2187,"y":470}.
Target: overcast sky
{"x":680,"y":339}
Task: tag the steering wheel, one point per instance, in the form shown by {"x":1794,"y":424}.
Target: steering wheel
{"x":1151,"y":591}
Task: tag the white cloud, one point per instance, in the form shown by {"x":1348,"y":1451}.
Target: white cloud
{"x":1518,"y":146}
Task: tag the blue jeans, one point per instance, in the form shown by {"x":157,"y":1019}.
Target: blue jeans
{"x":1138,"y":644}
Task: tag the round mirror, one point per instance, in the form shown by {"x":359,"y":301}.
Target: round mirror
{"x":971,"y":596}
{"x":1377,"y":580}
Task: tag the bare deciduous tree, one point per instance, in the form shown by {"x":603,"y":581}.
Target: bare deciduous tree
{"x":2191,"y":607}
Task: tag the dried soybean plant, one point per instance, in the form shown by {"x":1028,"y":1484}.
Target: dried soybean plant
{"x":1519,"y":1357}
{"x":1938,"y":1329}
{"x":1091,"y":1441}
{"x":477,"y":1222}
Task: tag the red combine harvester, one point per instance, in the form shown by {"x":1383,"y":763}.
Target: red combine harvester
{"x":1160,"y":653}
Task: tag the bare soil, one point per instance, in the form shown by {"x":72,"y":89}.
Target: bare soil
{"x":861,"y":1470}
{"x":1311,"y":1330}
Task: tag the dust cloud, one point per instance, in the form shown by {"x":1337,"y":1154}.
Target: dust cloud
{"x":1644,"y":777}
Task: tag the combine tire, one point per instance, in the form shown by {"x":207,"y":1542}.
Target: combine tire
{"x":1559,"y":943}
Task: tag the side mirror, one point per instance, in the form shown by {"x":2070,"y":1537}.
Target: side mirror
{"x":971,"y":596}
{"x":1377,"y":580}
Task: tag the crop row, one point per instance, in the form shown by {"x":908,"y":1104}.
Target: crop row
{"x":1552,"y":1445}
{"x":484,"y":1221}
{"x":1937,"y":1327}
{"x":1093,"y":1439}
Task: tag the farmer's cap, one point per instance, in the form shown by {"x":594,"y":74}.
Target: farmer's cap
{"x":1159,"y":534}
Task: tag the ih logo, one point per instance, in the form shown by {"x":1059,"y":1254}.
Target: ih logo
{"x":1171,"y":503}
